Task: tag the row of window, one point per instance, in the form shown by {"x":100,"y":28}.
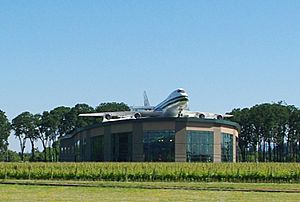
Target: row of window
{"x":200,"y":146}
{"x":67,"y":150}
{"x":158,"y":146}
{"x":226,"y":147}
{"x":97,"y":148}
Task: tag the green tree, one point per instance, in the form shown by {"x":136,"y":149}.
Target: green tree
{"x":245,"y":140}
{"x":20,"y":126}
{"x":44,"y":131}
{"x":112,"y":107}
{"x":33,"y":132}
{"x":271,"y":131}
{"x":265,"y":120}
{"x":281,"y":138}
{"x":26,"y":126}
{"x":5,"y":128}
{"x":72,"y":121}
{"x":294,"y":133}
{"x":56,"y":128}
{"x":10,"y":156}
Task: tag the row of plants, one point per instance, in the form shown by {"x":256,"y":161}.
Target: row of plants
{"x":205,"y":172}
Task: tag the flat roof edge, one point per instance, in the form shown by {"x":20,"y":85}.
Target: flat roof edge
{"x":184,"y":119}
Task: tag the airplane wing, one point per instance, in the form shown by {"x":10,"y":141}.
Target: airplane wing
{"x":205,"y":115}
{"x":109,"y":115}
{"x":122,"y":115}
{"x":141,"y":108}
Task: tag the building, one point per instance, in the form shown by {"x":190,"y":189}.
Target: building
{"x":153,"y":139}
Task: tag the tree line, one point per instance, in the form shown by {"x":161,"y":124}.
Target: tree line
{"x":47,"y":127}
{"x":269,"y":132}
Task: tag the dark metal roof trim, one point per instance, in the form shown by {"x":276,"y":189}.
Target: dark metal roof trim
{"x":156,"y":119}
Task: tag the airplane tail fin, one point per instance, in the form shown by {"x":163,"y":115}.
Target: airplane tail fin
{"x":146,"y":101}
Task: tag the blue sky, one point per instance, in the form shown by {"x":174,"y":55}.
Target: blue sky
{"x":226,"y":54}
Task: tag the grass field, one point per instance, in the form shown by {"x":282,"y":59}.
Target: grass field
{"x":138,"y":191}
{"x":149,"y":182}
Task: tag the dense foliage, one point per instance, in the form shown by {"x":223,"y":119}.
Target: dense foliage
{"x":4,"y":133}
{"x":269,"y":132}
{"x":223,"y":172}
{"x":50,"y":125}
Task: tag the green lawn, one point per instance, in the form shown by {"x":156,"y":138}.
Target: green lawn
{"x":130,"y":192}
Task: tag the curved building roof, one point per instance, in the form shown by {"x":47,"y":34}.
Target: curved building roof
{"x":188,"y":121}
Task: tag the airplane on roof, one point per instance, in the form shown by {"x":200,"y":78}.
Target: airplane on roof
{"x":175,"y":105}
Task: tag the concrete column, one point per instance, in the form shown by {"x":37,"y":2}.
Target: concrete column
{"x":234,"y":137}
{"x":88,"y":148}
{"x":217,"y":144}
{"x":180,"y":146}
{"x":137,"y":142}
{"x":180,"y":142}
{"x":107,"y":144}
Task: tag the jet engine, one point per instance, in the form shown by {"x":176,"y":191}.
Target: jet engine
{"x":201,"y":116}
{"x":107,"y":116}
{"x":137,"y":115}
{"x":219,"y":117}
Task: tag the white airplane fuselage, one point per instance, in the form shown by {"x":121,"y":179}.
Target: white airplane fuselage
{"x":174,"y":104}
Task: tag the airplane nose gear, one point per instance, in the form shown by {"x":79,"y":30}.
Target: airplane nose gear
{"x":180,"y":113}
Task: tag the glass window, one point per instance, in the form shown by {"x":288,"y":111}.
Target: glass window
{"x":159,"y":145}
{"x":77,"y":150}
{"x":226,"y":147}
{"x":122,"y":147}
{"x":200,"y":146}
{"x":84,"y":148}
{"x":97,"y":148}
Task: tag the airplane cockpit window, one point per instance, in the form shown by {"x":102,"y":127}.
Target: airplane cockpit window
{"x":180,"y":91}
